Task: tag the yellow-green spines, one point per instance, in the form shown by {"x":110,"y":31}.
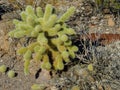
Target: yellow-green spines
{"x":54,"y":30}
{"x":42,"y":49}
{"x":70,"y":31}
{"x":37,"y":87}
{"x":56,"y":41}
{"x":30,"y":20}
{"x":61,"y":48}
{"x":68,"y":43}
{"x":32,"y":45}
{"x":36,"y":48}
{"x":90,"y":67}
{"x":38,"y":28}
{"x":58,"y":63}
{"x":11,"y":34}
{"x":11,"y":74}
{"x":65,"y":56}
{"x":39,"y":51}
{"x":46,"y":63}
{"x":74,"y":48}
{"x":67,"y":15}
{"x":39,"y":12}
{"x":54,"y":54}
{"x":75,"y":88}
{"x":64,"y":38}
{"x":48,"y":12}
{"x":51,"y":21}
{"x":22,"y":50}
{"x":23,"y":16}
{"x":41,"y":39}
{"x":34,"y":34}
{"x":27,"y":55}
{"x":3,"y":68}
{"x":50,"y":43}
{"x":29,"y":10}
{"x":26,"y":67}
{"x":16,"y":21}
{"x":57,"y":27}
{"x":36,"y":31}
{"x":24,"y":26}
{"x":38,"y":56}
{"x":19,"y":34}
{"x":72,"y":54}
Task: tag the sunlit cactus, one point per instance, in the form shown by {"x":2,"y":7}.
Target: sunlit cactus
{"x":11,"y":74}
{"x":52,"y":45}
{"x":3,"y":68}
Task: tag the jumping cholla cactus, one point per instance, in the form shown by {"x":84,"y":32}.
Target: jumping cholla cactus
{"x":52,"y":46}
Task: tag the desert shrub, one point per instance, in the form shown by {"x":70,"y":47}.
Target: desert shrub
{"x":52,"y":45}
{"x":112,"y":5}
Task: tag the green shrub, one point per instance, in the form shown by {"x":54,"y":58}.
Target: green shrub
{"x":114,"y":5}
{"x":52,"y":46}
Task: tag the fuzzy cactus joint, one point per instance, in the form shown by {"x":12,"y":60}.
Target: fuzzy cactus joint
{"x":52,"y":46}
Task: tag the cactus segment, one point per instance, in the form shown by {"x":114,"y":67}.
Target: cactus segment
{"x":26,"y":67}
{"x":58,"y":63}
{"x":11,"y":74}
{"x":27,"y":55}
{"x":39,"y":12}
{"x":23,"y":16}
{"x":41,"y":39}
{"x":48,"y":12}
{"x":38,"y":56}
{"x":22,"y":50}
{"x":3,"y":68}
{"x":64,"y":38}
{"x":46,"y":64}
{"x":52,"y":20}
{"x":67,"y":15}
{"x":29,"y":10}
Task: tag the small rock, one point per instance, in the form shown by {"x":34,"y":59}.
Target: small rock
{"x":111,"y":22}
{"x":118,"y":29}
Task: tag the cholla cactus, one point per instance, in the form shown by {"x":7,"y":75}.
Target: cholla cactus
{"x":52,"y":46}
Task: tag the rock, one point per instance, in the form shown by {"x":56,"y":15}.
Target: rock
{"x":111,"y":22}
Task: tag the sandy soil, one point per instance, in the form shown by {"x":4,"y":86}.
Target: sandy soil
{"x":105,"y":59}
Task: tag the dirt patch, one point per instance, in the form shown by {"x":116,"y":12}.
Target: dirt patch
{"x":104,"y":58}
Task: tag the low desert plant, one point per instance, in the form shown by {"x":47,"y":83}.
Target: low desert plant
{"x":11,"y":74}
{"x":3,"y":68}
{"x":52,"y":45}
{"x":113,"y":5}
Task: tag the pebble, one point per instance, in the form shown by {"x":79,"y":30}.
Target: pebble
{"x":111,"y":22}
{"x":1,"y":60}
